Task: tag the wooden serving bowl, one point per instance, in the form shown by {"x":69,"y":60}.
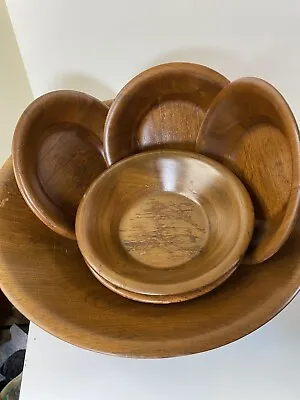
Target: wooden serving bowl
{"x":53,"y":287}
{"x":162,"y":107}
{"x":57,"y":152}
{"x":165,"y":223}
{"x":251,"y":129}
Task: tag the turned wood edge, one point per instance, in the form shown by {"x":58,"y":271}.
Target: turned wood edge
{"x":108,"y":103}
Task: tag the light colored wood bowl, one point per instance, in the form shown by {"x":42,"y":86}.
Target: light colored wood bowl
{"x":45,"y":277}
{"x":251,"y":129}
{"x":57,"y":152}
{"x":165,"y":222}
{"x":162,"y":107}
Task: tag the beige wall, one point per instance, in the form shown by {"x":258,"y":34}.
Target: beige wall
{"x":15,"y":92}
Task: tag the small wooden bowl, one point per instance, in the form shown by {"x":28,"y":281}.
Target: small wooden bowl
{"x":57,"y":152}
{"x":251,"y":129}
{"x":162,"y":107}
{"x":165,"y":223}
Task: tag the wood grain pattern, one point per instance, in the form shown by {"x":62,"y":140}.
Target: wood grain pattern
{"x":57,"y":153}
{"x":251,"y":129}
{"x":44,"y":275}
{"x":162,"y":107}
{"x":157,"y":223}
{"x":164,"y":230}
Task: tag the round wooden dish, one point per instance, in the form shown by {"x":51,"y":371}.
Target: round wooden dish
{"x":57,"y":152}
{"x":53,"y":287}
{"x":251,"y":129}
{"x":162,"y":107}
{"x":45,"y":277}
{"x":158,"y":299}
{"x":164,"y":223}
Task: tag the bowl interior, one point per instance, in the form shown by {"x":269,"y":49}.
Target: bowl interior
{"x":162,"y":107}
{"x":164,"y":222}
{"x":57,"y":152}
{"x":251,"y":129}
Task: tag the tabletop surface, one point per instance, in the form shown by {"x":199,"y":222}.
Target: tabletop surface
{"x":97,"y":47}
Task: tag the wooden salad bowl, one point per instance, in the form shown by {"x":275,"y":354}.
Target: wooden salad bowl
{"x":53,"y":287}
{"x":162,"y":107}
{"x":251,"y":129}
{"x":57,"y":153}
{"x":164,"y":223}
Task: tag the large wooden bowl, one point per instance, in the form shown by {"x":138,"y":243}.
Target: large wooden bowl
{"x":165,"y":222}
{"x":251,"y":129}
{"x":53,"y":287}
{"x":57,"y":153}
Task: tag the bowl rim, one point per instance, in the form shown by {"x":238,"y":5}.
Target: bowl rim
{"x":153,"y":299}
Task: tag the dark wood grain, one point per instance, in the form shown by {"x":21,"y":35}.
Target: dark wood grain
{"x":162,"y":107}
{"x":57,"y":153}
{"x":44,"y":275}
{"x":251,"y":129}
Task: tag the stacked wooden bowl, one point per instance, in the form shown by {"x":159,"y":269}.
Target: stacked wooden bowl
{"x":155,"y":226}
{"x":176,"y":190}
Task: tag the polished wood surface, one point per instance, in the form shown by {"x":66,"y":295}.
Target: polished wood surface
{"x":57,"y":153}
{"x":157,"y":223}
{"x":53,"y":287}
{"x":160,"y":299}
{"x":162,"y":107}
{"x":251,"y":129}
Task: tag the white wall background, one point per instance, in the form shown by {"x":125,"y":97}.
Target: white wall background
{"x":98,"y":45}
{"x":15,"y":92}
